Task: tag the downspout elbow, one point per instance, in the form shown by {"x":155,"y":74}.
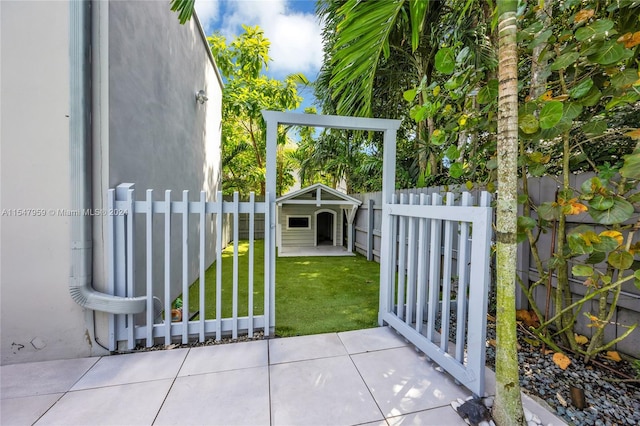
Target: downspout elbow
{"x":87,"y":297}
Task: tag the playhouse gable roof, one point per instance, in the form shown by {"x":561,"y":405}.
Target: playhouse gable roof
{"x":318,"y":194}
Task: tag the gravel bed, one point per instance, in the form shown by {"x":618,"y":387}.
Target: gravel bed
{"x":608,"y":402}
{"x":208,"y":342}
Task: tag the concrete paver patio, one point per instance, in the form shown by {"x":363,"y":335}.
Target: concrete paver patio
{"x":363,"y":377}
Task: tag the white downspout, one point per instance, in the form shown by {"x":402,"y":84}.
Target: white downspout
{"x":80,"y":283}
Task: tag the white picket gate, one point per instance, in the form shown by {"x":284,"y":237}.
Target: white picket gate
{"x":435,"y":269}
{"x":122,"y":254}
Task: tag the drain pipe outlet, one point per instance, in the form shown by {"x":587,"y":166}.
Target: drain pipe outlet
{"x":80,"y":284}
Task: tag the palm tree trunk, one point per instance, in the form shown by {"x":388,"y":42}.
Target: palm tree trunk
{"x":507,"y":409}
{"x":538,"y":64}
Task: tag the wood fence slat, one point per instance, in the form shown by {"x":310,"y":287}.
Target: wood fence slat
{"x":185,"y":266}
{"x":111,"y":263}
{"x":446,"y":277}
{"x":402,"y":261}
{"x":130,"y":265}
{"x":411,"y":266}
{"x":422,"y":261}
{"x":463,"y":283}
{"x":167,"y":267}
{"x":267,"y":269}
{"x":434,"y":269}
{"x":149,"y":266}
{"x":219,"y":228}
{"x":252,"y":199}
{"x":203,"y":258}
{"x":236,"y":247}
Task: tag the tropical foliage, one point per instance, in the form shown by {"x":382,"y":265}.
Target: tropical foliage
{"x":246,"y":93}
{"x":433,"y":65}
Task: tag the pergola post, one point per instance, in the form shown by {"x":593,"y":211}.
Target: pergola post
{"x":270,"y":228}
{"x":387,"y":273}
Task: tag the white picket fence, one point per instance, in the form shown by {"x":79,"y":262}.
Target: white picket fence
{"x":437,"y":259}
{"x":122,"y":255}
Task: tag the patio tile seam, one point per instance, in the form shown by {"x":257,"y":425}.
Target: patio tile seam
{"x":33,"y":395}
{"x":384,"y":418}
{"x":50,"y":407}
{"x":173,"y":382}
{"x":111,"y":385}
{"x":83,"y":374}
{"x":220,"y":371}
{"x":269,"y":384}
{"x":308,"y":359}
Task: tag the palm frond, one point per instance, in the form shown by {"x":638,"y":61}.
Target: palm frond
{"x":184,"y":9}
{"x":360,"y":39}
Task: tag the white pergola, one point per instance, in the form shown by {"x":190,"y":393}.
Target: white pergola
{"x":273,"y":119}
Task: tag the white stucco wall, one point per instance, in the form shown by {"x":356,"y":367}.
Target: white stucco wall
{"x":39,"y":320}
{"x":160,"y":138}
{"x":148,"y":130}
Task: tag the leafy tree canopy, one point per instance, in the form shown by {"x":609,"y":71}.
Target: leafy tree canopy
{"x":247,"y":92}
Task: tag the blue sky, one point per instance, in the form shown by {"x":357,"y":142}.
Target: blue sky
{"x":290,"y":25}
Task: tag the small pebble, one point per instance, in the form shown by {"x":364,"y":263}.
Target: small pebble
{"x":488,"y":402}
{"x":528,"y":415}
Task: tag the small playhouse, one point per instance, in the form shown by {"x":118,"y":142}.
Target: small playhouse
{"x":315,"y":221}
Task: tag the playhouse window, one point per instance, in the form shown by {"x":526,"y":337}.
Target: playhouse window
{"x":298,"y":222}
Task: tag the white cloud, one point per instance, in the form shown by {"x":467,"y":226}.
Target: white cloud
{"x":296,"y":44}
{"x":296,"y":41}
{"x":208,"y":11}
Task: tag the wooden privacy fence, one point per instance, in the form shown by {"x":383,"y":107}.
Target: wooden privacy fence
{"x":133,"y":220}
{"x":434,"y":288}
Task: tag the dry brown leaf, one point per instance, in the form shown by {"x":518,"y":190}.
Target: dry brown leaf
{"x":630,"y":40}
{"x":548,"y":351}
{"x":561,"y":360}
{"x":613,"y":356}
{"x":547,"y":96}
{"x":616,"y":235}
{"x":634,"y":134}
{"x":581,"y":340}
{"x":535,"y":322}
{"x":523,"y":315}
{"x":575,"y":209}
{"x":529,"y":318}
{"x":625,"y":37}
{"x":492,"y":342}
{"x":583,"y":15}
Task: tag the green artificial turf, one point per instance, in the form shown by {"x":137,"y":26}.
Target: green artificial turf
{"x":313,"y":294}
